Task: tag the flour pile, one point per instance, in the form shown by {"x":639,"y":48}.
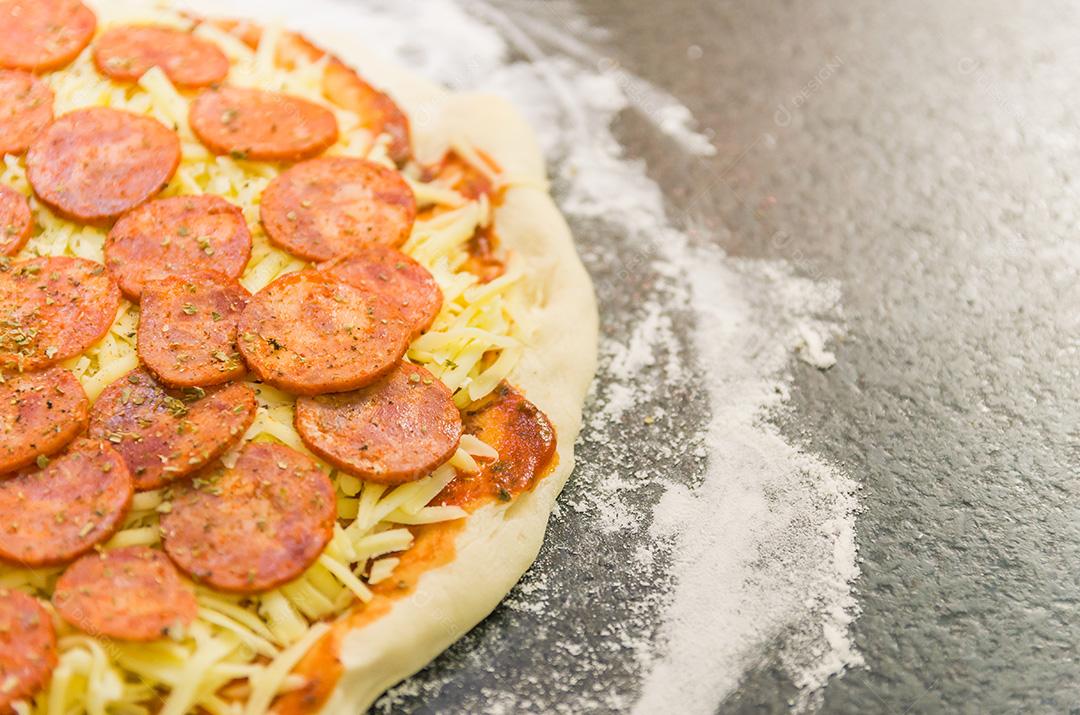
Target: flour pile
{"x":696,"y":509}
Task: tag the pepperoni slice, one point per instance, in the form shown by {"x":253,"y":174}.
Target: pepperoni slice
{"x":377,"y":111}
{"x":55,"y":514}
{"x":255,"y":526}
{"x":16,"y":222}
{"x":133,"y":593}
{"x":328,"y":207}
{"x":267,"y":126}
{"x":177,"y":236}
{"x":396,"y":430}
{"x":308,"y":334}
{"x":52,"y":309}
{"x":388,"y":272}
{"x":27,"y":647}
{"x":125,"y":53}
{"x":25,"y":109}
{"x":95,"y":164}
{"x":42,"y":35}
{"x":187,"y":329}
{"x":166,"y":434}
{"x":525,"y":440}
{"x":40,"y":412}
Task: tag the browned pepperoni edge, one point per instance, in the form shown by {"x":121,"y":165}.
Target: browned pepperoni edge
{"x":94,"y":164}
{"x":255,"y":526}
{"x":308,"y":334}
{"x":163,"y":434}
{"x":396,"y":430}
{"x":52,"y":309}
{"x":40,"y":412}
{"x":180,"y":235}
{"x":525,"y":440}
{"x":43,"y":35}
{"x":25,"y":109}
{"x":329,"y":207}
{"x":403,"y":281}
{"x":133,"y":594}
{"x":260,"y":125}
{"x":187,"y":329}
{"x":16,"y":221}
{"x":125,"y":53}
{"x":55,"y":514}
{"x":341,"y":85}
{"x":27,"y":647}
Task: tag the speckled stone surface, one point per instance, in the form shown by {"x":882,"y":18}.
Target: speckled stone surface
{"x":926,"y":155}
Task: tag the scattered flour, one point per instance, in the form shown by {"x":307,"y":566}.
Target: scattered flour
{"x":759,"y":546}
{"x":812,"y":349}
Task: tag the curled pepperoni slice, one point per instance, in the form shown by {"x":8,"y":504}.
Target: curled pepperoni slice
{"x":25,"y":109}
{"x":95,"y":164}
{"x":308,"y":334}
{"x":255,"y":526}
{"x":266,"y":126}
{"x":16,"y":222}
{"x":27,"y":647}
{"x":55,"y":514}
{"x":525,"y":440}
{"x":388,"y":272}
{"x":166,"y":434}
{"x":377,"y":111}
{"x":328,"y":207}
{"x":40,"y":412}
{"x":187,"y":329}
{"x":52,"y":309}
{"x":125,"y":53}
{"x":133,"y":594}
{"x":395,"y":430}
{"x":180,"y":235}
{"x":42,"y":35}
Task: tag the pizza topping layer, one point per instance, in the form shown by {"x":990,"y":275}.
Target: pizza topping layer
{"x":132,"y":593}
{"x":125,"y":53}
{"x":166,"y":434}
{"x":52,"y":309}
{"x":16,"y":221}
{"x":382,"y":270}
{"x":329,"y":207}
{"x":27,"y":647}
{"x":309,"y":334}
{"x":40,"y":412}
{"x":25,"y":109}
{"x":197,"y":453}
{"x":395,"y":430}
{"x":266,"y":126}
{"x":55,"y":513}
{"x":255,"y":526}
{"x":180,"y":235}
{"x":40,"y":35}
{"x":524,"y":439}
{"x":187,"y":329}
{"x":95,"y":164}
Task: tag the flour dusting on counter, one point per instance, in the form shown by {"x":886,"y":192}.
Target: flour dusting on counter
{"x":696,"y":541}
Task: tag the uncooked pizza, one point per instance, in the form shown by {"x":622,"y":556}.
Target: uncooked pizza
{"x":288,"y":382}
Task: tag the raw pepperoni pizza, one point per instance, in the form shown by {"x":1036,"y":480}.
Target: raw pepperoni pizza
{"x":285,"y":400}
